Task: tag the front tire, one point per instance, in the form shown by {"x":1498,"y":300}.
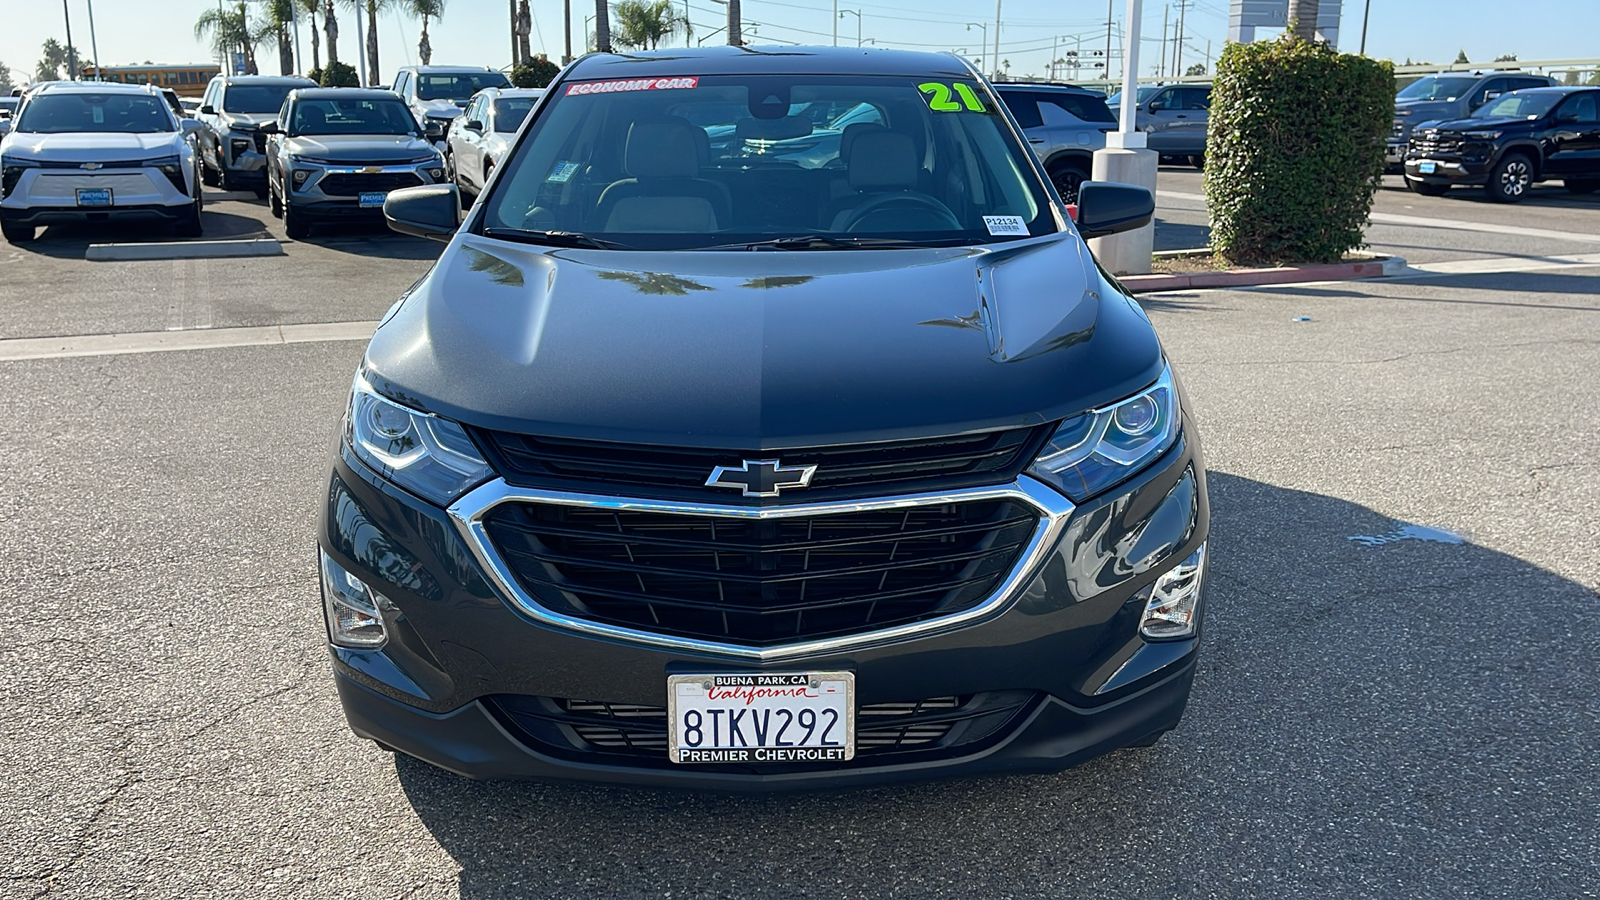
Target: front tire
{"x":18,"y":234}
{"x":1510,"y":179}
{"x":190,"y":225}
{"x":1067,"y":177}
{"x":1198,"y":161}
{"x":208,"y":175}
{"x":297,"y":226}
{"x":274,"y":204}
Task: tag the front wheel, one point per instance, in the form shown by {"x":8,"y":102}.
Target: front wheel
{"x":18,"y":234}
{"x":1198,"y":161}
{"x":190,"y":225}
{"x":208,"y":175}
{"x":1581,"y":185}
{"x":274,"y":204}
{"x":297,"y":226}
{"x":1067,"y":179}
{"x":1510,"y":179}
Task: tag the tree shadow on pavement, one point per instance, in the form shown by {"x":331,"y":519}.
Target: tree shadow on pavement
{"x":1396,"y":715}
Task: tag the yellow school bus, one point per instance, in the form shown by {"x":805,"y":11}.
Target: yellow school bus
{"x":185,"y":80}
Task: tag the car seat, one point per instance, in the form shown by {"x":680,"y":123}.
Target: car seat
{"x":664,"y":190}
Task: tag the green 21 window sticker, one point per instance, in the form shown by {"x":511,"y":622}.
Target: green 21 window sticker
{"x":938,"y":97}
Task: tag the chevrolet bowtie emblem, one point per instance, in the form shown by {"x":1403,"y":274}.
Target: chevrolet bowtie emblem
{"x":371,"y":170}
{"x":761,"y":477}
{"x":90,"y":166}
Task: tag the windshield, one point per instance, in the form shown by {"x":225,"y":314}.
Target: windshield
{"x":341,"y":116}
{"x":457,"y":86}
{"x":1437,"y":87}
{"x":256,"y":98}
{"x":69,"y":113}
{"x":1517,"y":106}
{"x":672,"y":163}
{"x":510,"y":111}
{"x":1139,"y":96}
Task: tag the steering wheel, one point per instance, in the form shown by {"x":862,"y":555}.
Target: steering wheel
{"x":888,"y":201}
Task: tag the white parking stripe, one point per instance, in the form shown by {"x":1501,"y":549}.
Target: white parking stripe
{"x":162,"y":341}
{"x":1425,"y":222}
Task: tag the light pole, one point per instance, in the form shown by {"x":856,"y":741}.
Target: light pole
{"x":851,"y":12}
{"x":1126,"y":159}
{"x":996,"y":59}
{"x":361,"y":49}
{"x":836,"y":24}
{"x":72,"y":52}
{"x":1365,"y":15}
{"x":985,"y":28}
{"x":586,"y":21}
{"x":94,"y":45}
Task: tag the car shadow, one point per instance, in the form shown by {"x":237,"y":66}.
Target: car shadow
{"x":372,"y":239}
{"x":1367,"y":687}
{"x":1181,"y":236}
{"x":72,"y":241}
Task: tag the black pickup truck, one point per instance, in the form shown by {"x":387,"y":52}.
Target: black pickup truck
{"x":1511,"y":143}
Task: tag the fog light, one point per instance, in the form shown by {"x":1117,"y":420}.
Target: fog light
{"x":436,"y":174}
{"x":239,"y":146}
{"x":354,"y":610}
{"x":300,"y":176}
{"x":1175,"y":599}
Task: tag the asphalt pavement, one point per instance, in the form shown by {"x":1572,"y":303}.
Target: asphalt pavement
{"x":1396,"y":698}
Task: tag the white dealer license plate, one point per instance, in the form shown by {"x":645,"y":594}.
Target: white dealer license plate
{"x":1427,"y":166}
{"x":370,"y":199}
{"x":766,"y":718}
{"x":94,"y":196}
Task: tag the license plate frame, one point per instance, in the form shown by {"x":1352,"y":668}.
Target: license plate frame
{"x":763,"y":695}
{"x":1427,"y":167}
{"x":93,"y":196}
{"x":372,"y":199}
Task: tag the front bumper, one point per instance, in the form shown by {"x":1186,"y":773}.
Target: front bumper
{"x":1446,"y":170}
{"x":47,"y":215}
{"x":1067,"y":638}
{"x":334,"y":191}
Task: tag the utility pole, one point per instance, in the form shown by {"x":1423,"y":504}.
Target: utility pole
{"x":566,"y":20}
{"x":72,"y":52}
{"x":1161,"y":70}
{"x":1110,"y":11}
{"x":361,"y":50}
{"x":1365,"y":15}
{"x":996,"y":60}
{"x":513,"y":21}
{"x":1177,"y":65}
{"x":735,"y":38}
{"x":836,"y":23}
{"x":94,"y":45}
{"x":294,"y":22}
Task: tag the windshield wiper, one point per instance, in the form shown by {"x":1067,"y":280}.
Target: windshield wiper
{"x":822,"y":242}
{"x":553,"y":238}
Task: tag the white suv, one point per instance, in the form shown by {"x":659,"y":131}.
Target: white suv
{"x":97,"y":152}
{"x":437,"y":94}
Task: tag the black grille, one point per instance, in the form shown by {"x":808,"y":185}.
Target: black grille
{"x":935,"y":723}
{"x":989,"y":457}
{"x":343,"y":185}
{"x":761,"y":581}
{"x":1433,"y":141}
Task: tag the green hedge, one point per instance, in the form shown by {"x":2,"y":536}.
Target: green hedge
{"x":336,"y":75}
{"x":1295,"y":150}
{"x":536,"y":73}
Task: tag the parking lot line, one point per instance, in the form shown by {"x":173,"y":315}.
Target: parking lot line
{"x":163,"y":341}
{"x":1427,"y":222}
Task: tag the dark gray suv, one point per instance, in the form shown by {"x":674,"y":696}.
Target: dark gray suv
{"x":1174,"y":118}
{"x":1449,"y":95}
{"x":1064,"y":125}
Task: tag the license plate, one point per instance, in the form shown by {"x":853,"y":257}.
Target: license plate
{"x":1427,"y":167}
{"x":94,"y":196}
{"x":766,"y":718}
{"x":372,"y":198}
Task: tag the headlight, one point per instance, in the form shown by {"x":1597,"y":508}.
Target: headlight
{"x":1482,"y":135}
{"x":1097,"y":449}
{"x":428,"y":456}
{"x":427,"y":158}
{"x":11,"y":173}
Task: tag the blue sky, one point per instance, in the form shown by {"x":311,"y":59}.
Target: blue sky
{"x":474,"y":31}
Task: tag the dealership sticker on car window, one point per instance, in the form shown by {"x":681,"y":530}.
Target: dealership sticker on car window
{"x":1005,"y":224}
{"x":632,"y":84}
{"x":563,"y":172}
{"x":938,"y":97}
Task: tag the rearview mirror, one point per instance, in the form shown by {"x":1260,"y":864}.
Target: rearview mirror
{"x":432,"y":211}
{"x":1108,"y":208}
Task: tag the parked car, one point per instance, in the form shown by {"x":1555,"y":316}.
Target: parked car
{"x":336,"y":153}
{"x":232,"y":109}
{"x":1448,"y":95}
{"x":1174,"y":119}
{"x":84,"y":151}
{"x":1065,"y":125}
{"x":8,"y":108}
{"x":438,"y":94}
{"x":1510,"y":143}
{"x":668,"y":473}
{"x":480,"y":137}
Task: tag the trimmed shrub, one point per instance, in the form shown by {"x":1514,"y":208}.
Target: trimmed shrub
{"x":536,"y":73}
{"x":339,"y":75}
{"x":1295,"y":150}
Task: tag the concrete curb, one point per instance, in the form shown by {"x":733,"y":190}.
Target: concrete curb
{"x":1350,"y":271}
{"x":184,"y":250}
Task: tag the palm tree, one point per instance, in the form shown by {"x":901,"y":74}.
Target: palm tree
{"x":644,"y":24}
{"x":372,"y":7}
{"x":602,"y":26}
{"x":228,"y":30}
{"x":330,"y":24}
{"x":311,"y":8}
{"x":1303,"y":18}
{"x":274,"y":24}
{"x":425,"y":10}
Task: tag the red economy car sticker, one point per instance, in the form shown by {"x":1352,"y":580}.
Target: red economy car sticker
{"x":632,"y":84}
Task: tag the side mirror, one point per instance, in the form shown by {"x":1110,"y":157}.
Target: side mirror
{"x":190,"y":126}
{"x":1567,"y":116}
{"x":1157,"y":105}
{"x":434,"y":129}
{"x":431,"y":211}
{"x":208,"y":110}
{"x":1108,"y":208}
{"x":474,"y":125}
{"x":269,"y":128}
{"x":5,"y":113}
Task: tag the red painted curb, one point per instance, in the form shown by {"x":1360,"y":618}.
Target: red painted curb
{"x":1146,"y":284}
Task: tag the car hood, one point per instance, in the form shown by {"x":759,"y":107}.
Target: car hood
{"x":360,"y":148}
{"x":1476,"y":123}
{"x":92,"y":147}
{"x":1422,"y":109}
{"x":753,"y":350}
{"x":442,"y":109}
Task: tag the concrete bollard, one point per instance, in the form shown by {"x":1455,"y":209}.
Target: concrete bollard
{"x":1127,"y":253}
